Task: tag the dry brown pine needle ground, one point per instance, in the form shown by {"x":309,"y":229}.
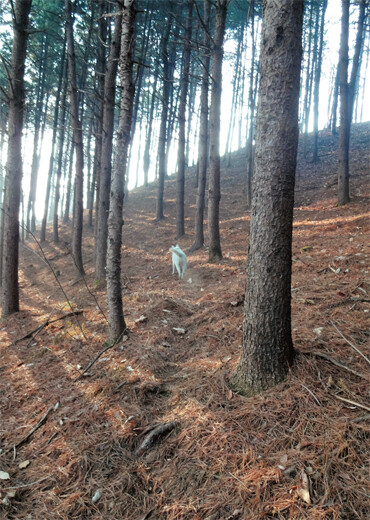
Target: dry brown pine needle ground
{"x":299,"y":451}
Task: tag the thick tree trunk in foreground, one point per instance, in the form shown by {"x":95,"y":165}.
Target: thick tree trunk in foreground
{"x":106,"y":156}
{"x":203,"y":136}
{"x":267,"y":350}
{"x":214,"y":190}
{"x":78,"y":145}
{"x":116,"y":318}
{"x":343,"y":144}
{"x":13,"y":177}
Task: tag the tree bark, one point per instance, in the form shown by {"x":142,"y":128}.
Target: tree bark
{"x":106,"y":157}
{"x":78,"y":145}
{"x":13,"y":177}
{"x":116,"y":318}
{"x":214,"y":191}
{"x":267,"y":350}
{"x":343,"y":142}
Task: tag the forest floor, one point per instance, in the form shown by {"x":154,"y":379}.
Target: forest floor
{"x":87,"y":447}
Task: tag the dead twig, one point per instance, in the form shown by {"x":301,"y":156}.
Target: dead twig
{"x":27,"y":485}
{"x":101,"y":353}
{"x":352,"y":402}
{"x":350,"y":344}
{"x":336,"y":363}
{"x":38,"y":329}
{"x":35,"y":428}
{"x":153,"y":435}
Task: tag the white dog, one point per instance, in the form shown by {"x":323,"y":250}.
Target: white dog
{"x":179,"y":260}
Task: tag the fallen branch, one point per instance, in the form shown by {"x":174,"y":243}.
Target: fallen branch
{"x":101,"y":353}
{"x":336,"y":363}
{"x":351,"y":344}
{"x":27,"y":485}
{"x":38,"y":329}
{"x":153,"y":435}
{"x":35,"y":428}
{"x":353,"y":403}
{"x":365,"y":417}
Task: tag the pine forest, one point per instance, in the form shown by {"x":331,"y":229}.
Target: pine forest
{"x":184,"y":259}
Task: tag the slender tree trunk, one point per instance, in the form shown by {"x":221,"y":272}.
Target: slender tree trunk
{"x":106,"y":157}
{"x":78,"y":144}
{"x":116,"y":319}
{"x":13,"y":180}
{"x":31,"y":217}
{"x":309,"y":77}
{"x":203,"y":135}
{"x":58,"y":175}
{"x":252,"y":106}
{"x":98,"y":119}
{"x":51,"y":160}
{"x":316,"y":93}
{"x":356,"y":62}
{"x":180,"y":200}
{"x":214,"y":191}
{"x":267,"y":349}
{"x":162,"y":142}
{"x":333,"y":125}
{"x":148,"y":140}
{"x":68,"y":194}
{"x":344,"y":130}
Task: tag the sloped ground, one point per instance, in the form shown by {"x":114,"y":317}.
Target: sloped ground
{"x":299,"y":451}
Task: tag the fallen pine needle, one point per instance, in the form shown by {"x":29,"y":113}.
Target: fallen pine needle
{"x":353,"y":403}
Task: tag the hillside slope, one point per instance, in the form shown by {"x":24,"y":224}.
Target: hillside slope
{"x":296,"y":452}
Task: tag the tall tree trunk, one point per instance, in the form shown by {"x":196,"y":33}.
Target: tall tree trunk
{"x":267,"y":349}
{"x":13,"y":179}
{"x":162,"y":141}
{"x":148,"y":139}
{"x":116,"y":319}
{"x":310,"y":73}
{"x":180,"y":178}
{"x":98,"y":116}
{"x":58,"y":175}
{"x":68,"y":194}
{"x":203,"y":134}
{"x":214,"y":191}
{"x":356,"y":62}
{"x":31,"y":216}
{"x":78,"y":145}
{"x":54,"y":137}
{"x":252,"y":107}
{"x":316,"y":92}
{"x":106,"y":157}
{"x":333,"y":125}
{"x":344,"y":130}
